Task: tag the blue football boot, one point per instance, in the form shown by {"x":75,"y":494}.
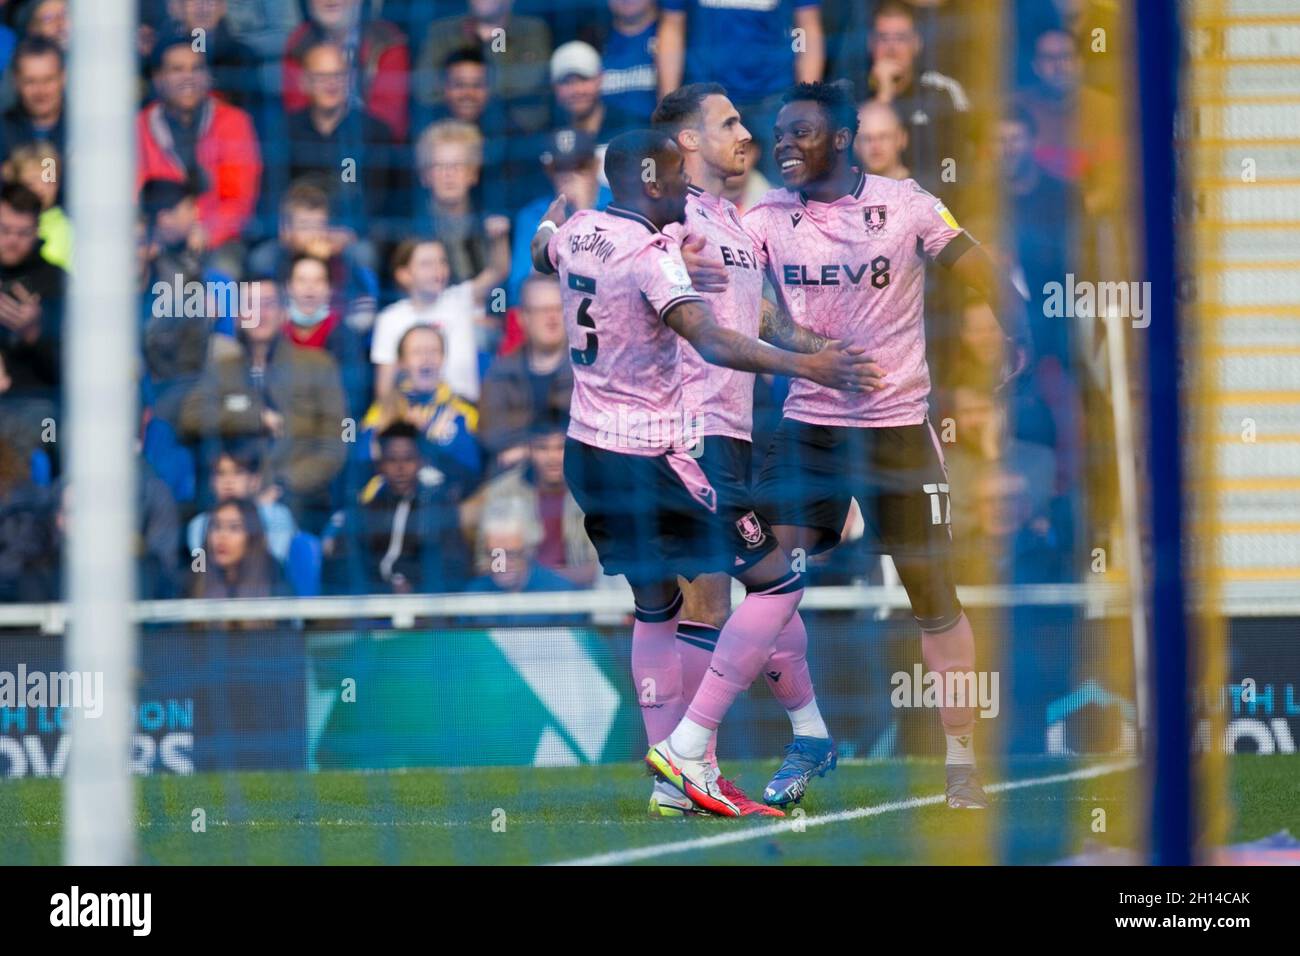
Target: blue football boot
{"x":803,"y":758}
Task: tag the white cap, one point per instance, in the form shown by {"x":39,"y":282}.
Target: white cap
{"x":575,"y":57}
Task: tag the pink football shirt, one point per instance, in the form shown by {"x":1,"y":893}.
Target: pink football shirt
{"x":619,"y":276}
{"x":720,"y":401}
{"x":854,"y":269}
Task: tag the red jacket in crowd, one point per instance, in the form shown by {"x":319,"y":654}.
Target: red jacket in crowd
{"x":383,"y":65}
{"x":226,"y":151}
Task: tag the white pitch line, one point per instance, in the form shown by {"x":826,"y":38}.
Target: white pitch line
{"x":619,"y":857}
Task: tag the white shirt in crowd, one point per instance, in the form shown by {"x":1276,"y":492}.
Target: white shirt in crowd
{"x":453,"y":313}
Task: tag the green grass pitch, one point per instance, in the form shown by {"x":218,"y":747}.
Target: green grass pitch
{"x":526,"y":815}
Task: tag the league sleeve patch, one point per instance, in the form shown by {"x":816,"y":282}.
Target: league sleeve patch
{"x":946,"y":216}
{"x":675,"y":272}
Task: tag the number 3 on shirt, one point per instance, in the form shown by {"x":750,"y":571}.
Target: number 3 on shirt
{"x":587,"y":286}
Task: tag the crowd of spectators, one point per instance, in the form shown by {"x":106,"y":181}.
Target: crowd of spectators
{"x":381,"y":407}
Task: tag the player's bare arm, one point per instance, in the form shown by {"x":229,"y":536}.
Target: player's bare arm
{"x":776,"y":327}
{"x":835,"y":365}
{"x":552,"y":219}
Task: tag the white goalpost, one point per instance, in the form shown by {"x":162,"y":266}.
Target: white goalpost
{"x":99,"y":375}
{"x":1130,"y":513}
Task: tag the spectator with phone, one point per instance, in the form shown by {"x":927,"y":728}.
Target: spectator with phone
{"x":31,"y":298}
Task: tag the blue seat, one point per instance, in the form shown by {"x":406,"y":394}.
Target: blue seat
{"x":304,"y":565}
{"x":172,"y":461}
{"x":41,"y":470}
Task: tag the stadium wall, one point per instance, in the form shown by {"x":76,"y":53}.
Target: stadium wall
{"x":285,"y":699}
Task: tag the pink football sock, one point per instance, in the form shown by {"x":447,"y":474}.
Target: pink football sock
{"x":695,"y":645}
{"x":952,"y":650}
{"x":744,"y":646}
{"x":787,"y":669}
{"x":657,"y":670}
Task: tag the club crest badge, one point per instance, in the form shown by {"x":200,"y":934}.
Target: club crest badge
{"x":873,"y":217}
{"x":751,"y":530}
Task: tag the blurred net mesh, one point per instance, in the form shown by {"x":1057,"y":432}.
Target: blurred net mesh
{"x":315,"y":742}
{"x":251,"y":729}
{"x":1240,"y":148}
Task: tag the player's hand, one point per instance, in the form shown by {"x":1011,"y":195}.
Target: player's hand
{"x":846,"y":367}
{"x":558,"y":210}
{"x":707,"y":274}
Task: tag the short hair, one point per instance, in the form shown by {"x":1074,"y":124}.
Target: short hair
{"x":537,"y":279}
{"x":836,"y":100}
{"x":550,"y":422}
{"x":894,"y":8}
{"x":684,"y":107}
{"x":404,"y":252}
{"x":397,"y":431}
{"x":160,"y":195}
{"x":421,"y":327}
{"x":625,"y":157}
{"x":33,"y":46}
{"x":20,"y":199}
{"x":246,"y":453}
{"x":510,"y":514}
{"x":169,"y":43}
{"x":887,"y":108}
{"x":36,"y":151}
{"x":463,"y":54}
{"x":304,"y":195}
{"x":1074,"y":40}
{"x":449,"y":131}
{"x":320,"y":43}
{"x":263,"y":277}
